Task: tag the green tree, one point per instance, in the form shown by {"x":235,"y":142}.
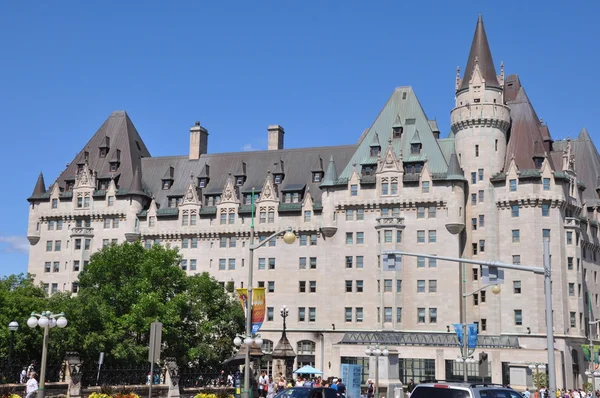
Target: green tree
{"x":127,"y":287}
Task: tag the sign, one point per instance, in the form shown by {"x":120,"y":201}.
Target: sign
{"x":351,"y":377}
{"x":391,"y":261}
{"x":155,"y":342}
{"x":586,"y":353}
{"x":471,"y":334}
{"x":258,"y":306}
{"x":491,"y":275}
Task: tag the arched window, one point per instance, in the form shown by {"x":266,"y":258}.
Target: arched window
{"x":306,"y":347}
{"x":267,"y":347}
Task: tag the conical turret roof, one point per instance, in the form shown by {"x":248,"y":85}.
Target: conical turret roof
{"x":40,"y":187}
{"x":331,"y":174}
{"x":136,"y":187}
{"x":481,"y":55}
{"x":455,"y":173}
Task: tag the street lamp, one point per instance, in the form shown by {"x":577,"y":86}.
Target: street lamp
{"x":376,"y":352}
{"x":591,"y":372}
{"x":537,"y":367}
{"x":288,"y":237}
{"x":45,"y":320}
{"x":466,"y":357}
{"x":13,"y":327}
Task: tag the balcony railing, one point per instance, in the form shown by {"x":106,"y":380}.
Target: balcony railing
{"x":572,"y":222}
{"x":390,"y":221}
{"x":82,"y":231}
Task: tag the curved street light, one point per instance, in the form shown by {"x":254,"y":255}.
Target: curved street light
{"x":46,"y":320}
{"x":377,"y":352}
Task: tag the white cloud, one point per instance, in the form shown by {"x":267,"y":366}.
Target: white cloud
{"x":248,"y":148}
{"x":14,"y":244}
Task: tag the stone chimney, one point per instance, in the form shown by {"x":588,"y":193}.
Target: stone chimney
{"x":198,"y":141}
{"x":275,"y":137}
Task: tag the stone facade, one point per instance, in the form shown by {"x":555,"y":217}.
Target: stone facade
{"x":401,"y":187}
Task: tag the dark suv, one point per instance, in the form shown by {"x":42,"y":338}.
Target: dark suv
{"x":443,"y":389}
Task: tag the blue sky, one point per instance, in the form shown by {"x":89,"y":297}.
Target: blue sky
{"x":321,"y":69}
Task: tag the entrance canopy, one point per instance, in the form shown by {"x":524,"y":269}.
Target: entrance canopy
{"x":426,"y":339}
{"x":308,"y":370}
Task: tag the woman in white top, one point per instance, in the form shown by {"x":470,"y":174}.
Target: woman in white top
{"x":32,"y":386}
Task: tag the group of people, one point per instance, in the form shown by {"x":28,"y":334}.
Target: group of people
{"x":269,"y":386}
{"x":565,"y":393}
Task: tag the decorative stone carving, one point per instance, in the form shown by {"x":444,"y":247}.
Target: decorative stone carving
{"x":73,"y":374}
{"x":229,"y":192}
{"x":172,"y":377}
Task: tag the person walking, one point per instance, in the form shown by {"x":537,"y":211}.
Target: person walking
{"x":370,"y":389}
{"x":32,"y":386}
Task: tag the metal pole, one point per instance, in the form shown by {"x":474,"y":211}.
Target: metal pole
{"x":381,"y":288}
{"x":376,"y":376}
{"x":549,"y":323}
{"x":465,"y":346}
{"x":10,"y":353}
{"x":41,"y":391}
{"x":246,"y":390}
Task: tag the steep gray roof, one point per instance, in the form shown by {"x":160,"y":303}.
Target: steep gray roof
{"x":297,"y":169}
{"x":587,"y":161}
{"x":482,"y":55}
{"x":331,"y":174}
{"x":40,"y":187}
{"x":117,"y":133}
{"x":403,"y":104}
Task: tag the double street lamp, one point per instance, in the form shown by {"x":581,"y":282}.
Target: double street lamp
{"x":536,"y":368}
{"x":592,"y":372}
{"x":377,"y":352}
{"x":46,"y":320}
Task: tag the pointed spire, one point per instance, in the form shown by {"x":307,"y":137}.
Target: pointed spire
{"x":40,"y":186}
{"x":331,"y":175}
{"x":317,"y":165}
{"x":454,"y":170}
{"x":538,"y":150}
{"x":481,"y":55}
{"x":397,"y":122}
{"x":584,"y":135}
{"x":136,"y":187}
{"x":416,"y":138}
{"x":375,"y":142}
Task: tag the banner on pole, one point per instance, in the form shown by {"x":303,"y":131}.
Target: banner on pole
{"x":258,"y":306}
{"x":586,"y":353}
{"x":351,"y":375}
{"x":471,"y":334}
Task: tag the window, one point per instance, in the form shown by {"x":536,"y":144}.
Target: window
{"x":420,"y":236}
{"x":77,"y":245}
{"x":481,"y":221}
{"x":432,"y":286}
{"x":545,"y":210}
{"x":231,"y":264}
{"x":312,"y":286}
{"x":514,"y":210}
{"x":184,"y":264}
{"x":425,"y":187}
{"x":399,"y":236}
{"x":271,"y":287}
{"x":353,"y":190}
{"x":573,"y":320}
{"x":420,"y":315}
{"x":348,"y":286}
{"x":516,"y":259}
{"x":570,"y":263}
{"x":302,"y":287}
{"x":475,"y":274}
{"x":359,"y":286}
{"x":359,"y":314}
{"x":51,"y":225}
{"x":512,"y":185}
{"x":474,"y":224}
{"x":312,"y":314}
{"x":517,"y":287}
{"x":223,"y":242}
{"x":473,"y":178}
{"x":271,"y":263}
{"x":480,"y":174}
{"x":433,"y":315}
{"x":193,"y":264}
{"x":57,"y":245}
{"x":546,"y":182}
{"x":302,"y":262}
{"x":518,"y":317}
{"x":432,"y":212}
{"x":476,"y":151}
{"x":387,"y":314}
{"x":420,"y":212}
{"x":54,"y":288}
{"x":47,"y":266}
{"x":474,"y":247}
{"x":359,"y":261}
{"x":481,"y":245}
{"x":546,"y":234}
{"x":313,"y":263}
{"x":262,"y":218}
{"x":348,"y":314}
{"x":483,"y":296}
{"x":55,"y":203}
{"x":387,"y":236}
{"x":387,"y":285}
{"x":360,"y":214}
{"x":481,"y":195}
{"x":262,"y":264}
{"x":432,"y":262}
{"x":360,"y":238}
{"x":516,"y":235}
{"x":420,"y":286}
{"x":222,"y":264}
{"x":349,"y":238}
{"x":349,"y":261}
{"x":301,"y":315}
{"x":349,"y":215}
{"x":473,"y":199}
{"x":398,"y":314}
{"x":420,"y":262}
{"x":432,"y":236}
{"x":569,"y":238}
{"x":572,"y":289}
{"x":222,"y":218}
{"x":385,"y":188}
{"x":394,"y":188}
{"x":105,"y":243}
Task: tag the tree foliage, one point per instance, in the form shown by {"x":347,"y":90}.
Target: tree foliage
{"x":122,"y":291}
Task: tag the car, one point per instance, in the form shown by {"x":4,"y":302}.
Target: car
{"x":308,"y":392}
{"x":447,"y":389}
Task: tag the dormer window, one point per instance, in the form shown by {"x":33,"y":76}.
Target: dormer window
{"x":239,"y":181}
{"x":413,"y":168}
{"x":397,"y":132}
{"x":212,"y":200}
{"x":538,"y":162}
{"x":166,"y":184}
{"x":175,"y":201}
{"x":115,"y":160}
{"x":69,"y":186}
{"x":375,"y":151}
{"x":79,"y":167}
{"x":317,"y":176}
{"x":415,"y":149}
{"x":368,"y":169}
{"x":202,"y":182}
{"x":114,"y":166}
{"x":292,"y":197}
{"x":103,"y":152}
{"x":277,"y":178}
{"x":103,"y":183}
{"x":86,"y":156}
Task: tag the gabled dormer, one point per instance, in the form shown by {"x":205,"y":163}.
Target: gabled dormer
{"x":240,"y":175}
{"x":538,"y":155}
{"x":278,"y":172}
{"x":269,"y":192}
{"x":168,"y":178}
{"x":375,"y":146}
{"x":354,"y":182}
{"x":230,"y":191}
{"x":317,"y":170}
{"x":307,"y":206}
{"x":293,"y":193}
{"x":115,"y":161}
{"x":204,"y":177}
{"x":415,"y":144}
{"x":512,"y":176}
{"x":397,"y":128}
{"x":85,"y":184}
{"x":104,"y":147}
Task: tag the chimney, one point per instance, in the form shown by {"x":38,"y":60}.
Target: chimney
{"x":275,"y":137}
{"x":198,"y":141}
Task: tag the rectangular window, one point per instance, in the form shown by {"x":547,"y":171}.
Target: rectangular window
{"x":349,"y":261}
{"x":307,"y":215}
{"x":54,"y":288}
{"x":301,"y":314}
{"x":432,"y":236}
{"x":55,"y":203}
{"x":481,"y":221}
{"x":476,"y":151}
{"x":420,"y":262}
{"x":222,"y":264}
{"x":271,"y":286}
{"x":483,"y":296}
{"x":570,"y":263}
{"x":421,"y":286}
{"x":516,"y":258}
{"x":105,"y":242}
{"x":432,"y":286}
{"x":546,"y":184}
{"x":313,"y":263}
{"x":432,"y":262}
{"x":517,"y":287}
{"x":349,"y":215}
{"x":569,"y":238}
{"x":394,"y":188}
{"x":75,"y":265}
{"x":270,"y":314}
{"x":271,"y":263}
{"x":545,"y":210}
{"x":193,"y":264}
{"x":232,"y":241}
{"x":302,"y":262}
{"x":481,"y":245}
{"x":474,"y":224}
{"x":185,"y":242}
{"x":312,"y":285}
{"x":262,"y":263}
{"x":303,"y":240}
{"x":432,"y":212}
{"x":420,"y":236}
{"x":474,"y":247}
{"x":420,"y":211}
{"x":387,"y":285}
{"x":473,"y":178}
{"x":572,"y":289}
{"x":223,"y":242}
{"x":513,"y":185}
{"x":353,"y":190}
{"x":360,"y":238}
{"x":398,"y":285}
{"x":399,"y":236}
{"x":387,"y":314}
{"x":516,"y":235}
{"x":231,"y":264}
{"x":349,"y":238}
{"x":398,"y":314}
{"x":480,"y":174}
{"x":420,"y":315}
{"x":359,"y":286}
{"x":518,"y":317}
{"x":514,"y":210}
{"x":473,"y":199}
{"x":387,"y":236}
{"x":49,"y":245}
{"x":546,"y":234}
{"x":312,"y":314}
{"x":348,"y":314}
{"x":51,"y":225}
{"x":359,"y":314}
{"x":424,"y":188}
{"x":360,"y":214}
{"x":475,"y":274}
{"x":359,"y":261}
{"x":433,"y":315}
{"x":385,"y":188}
{"x":573,"y":319}
{"x":302,"y":287}
{"x":348,"y":286}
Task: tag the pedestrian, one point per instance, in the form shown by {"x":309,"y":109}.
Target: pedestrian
{"x":411,"y":387}
{"x":271,"y":388}
{"x":370,"y":389}
{"x":526,"y":393}
{"x":341,"y":387}
{"x":32,"y":386}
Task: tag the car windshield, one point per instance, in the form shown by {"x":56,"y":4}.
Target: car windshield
{"x":432,"y":392}
{"x":301,"y":392}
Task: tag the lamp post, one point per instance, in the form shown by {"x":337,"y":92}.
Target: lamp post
{"x":45,"y":320}
{"x":377,"y":352}
{"x":465,"y":358}
{"x":591,"y":372}
{"x":285,"y":312}
{"x":13,"y":327}
{"x":288,"y":237}
{"x":537,"y":367}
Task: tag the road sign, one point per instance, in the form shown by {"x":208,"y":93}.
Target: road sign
{"x":491,"y":275}
{"x":155,"y":342}
{"x":391,"y":261}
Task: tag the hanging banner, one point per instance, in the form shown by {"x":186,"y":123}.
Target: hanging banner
{"x":471,"y":334}
{"x":351,"y":377}
{"x":258,"y":306}
{"x":586,"y":353}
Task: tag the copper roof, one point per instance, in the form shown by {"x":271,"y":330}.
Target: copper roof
{"x":482,"y":55}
